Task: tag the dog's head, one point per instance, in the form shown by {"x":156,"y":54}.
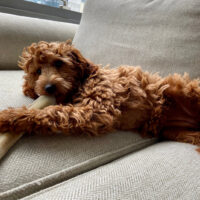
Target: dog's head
{"x":53,"y":69}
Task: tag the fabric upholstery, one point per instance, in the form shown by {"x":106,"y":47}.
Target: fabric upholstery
{"x":11,"y":89}
{"x":36,"y":162}
{"x":161,"y":36}
{"x":17,"y":32}
{"x":167,"y":171}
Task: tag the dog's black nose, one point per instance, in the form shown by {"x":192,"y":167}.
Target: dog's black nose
{"x":50,"y":88}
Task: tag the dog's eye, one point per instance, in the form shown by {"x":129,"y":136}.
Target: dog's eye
{"x":58,"y":63}
{"x":39,"y":71}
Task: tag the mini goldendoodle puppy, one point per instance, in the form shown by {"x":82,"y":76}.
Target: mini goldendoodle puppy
{"x":95,"y":100}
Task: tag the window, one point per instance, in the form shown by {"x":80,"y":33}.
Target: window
{"x":74,"y":5}
{"x":57,"y":10}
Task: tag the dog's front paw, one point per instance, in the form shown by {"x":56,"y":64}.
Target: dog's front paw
{"x":5,"y":119}
{"x":13,"y":120}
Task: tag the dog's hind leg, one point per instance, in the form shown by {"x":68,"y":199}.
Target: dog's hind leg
{"x":183,"y":107}
{"x":184,"y":92}
{"x":182,"y":135}
{"x":182,"y":117}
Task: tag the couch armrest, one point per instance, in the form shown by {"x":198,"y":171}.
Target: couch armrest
{"x":17,"y":32}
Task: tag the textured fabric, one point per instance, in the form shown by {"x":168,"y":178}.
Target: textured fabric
{"x":167,"y":171}
{"x":16,"y":32}
{"x":35,"y":163}
{"x":158,"y":35}
{"x":11,"y":89}
{"x":161,"y":36}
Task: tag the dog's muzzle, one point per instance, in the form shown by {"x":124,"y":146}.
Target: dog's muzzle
{"x":50,"y":88}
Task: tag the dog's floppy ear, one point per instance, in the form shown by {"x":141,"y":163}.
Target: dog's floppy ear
{"x":24,"y":63}
{"x":83,"y":66}
{"x":28,"y":87}
{"x":68,"y":42}
{"x":27,"y":56}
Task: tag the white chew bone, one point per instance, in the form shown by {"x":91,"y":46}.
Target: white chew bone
{"x":7,"y":140}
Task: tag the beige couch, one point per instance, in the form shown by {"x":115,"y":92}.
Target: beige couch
{"x":161,"y":36}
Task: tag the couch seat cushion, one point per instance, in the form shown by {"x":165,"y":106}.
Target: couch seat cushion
{"x":167,"y":170}
{"x":37,"y":162}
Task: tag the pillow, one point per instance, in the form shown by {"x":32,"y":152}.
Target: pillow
{"x":160,"y":36}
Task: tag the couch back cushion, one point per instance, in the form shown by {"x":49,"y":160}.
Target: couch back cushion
{"x":161,"y":36}
{"x":17,"y":32}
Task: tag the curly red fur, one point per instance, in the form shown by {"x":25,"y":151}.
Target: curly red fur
{"x":95,"y":100}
